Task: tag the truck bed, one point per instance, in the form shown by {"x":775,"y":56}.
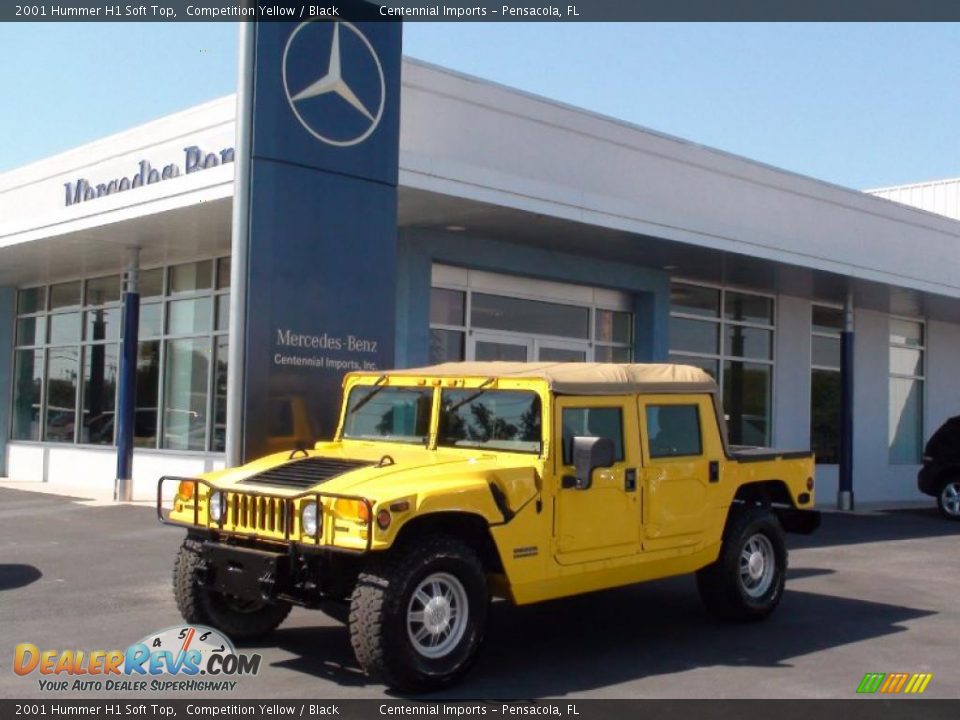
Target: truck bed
{"x":749,"y":453}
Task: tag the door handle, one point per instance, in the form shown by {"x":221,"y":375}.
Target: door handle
{"x":714,"y":471}
{"x":630,"y":480}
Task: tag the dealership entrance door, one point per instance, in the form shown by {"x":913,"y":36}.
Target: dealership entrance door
{"x":476,"y":315}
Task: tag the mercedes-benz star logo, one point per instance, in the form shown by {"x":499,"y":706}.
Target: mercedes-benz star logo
{"x":337,"y":108}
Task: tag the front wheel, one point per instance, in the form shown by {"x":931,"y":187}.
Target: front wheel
{"x":418,"y":614}
{"x":746,"y":582}
{"x":949,"y":499}
{"x":239,"y":619}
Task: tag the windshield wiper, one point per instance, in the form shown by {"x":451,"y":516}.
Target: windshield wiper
{"x":470,"y":398}
{"x":377,"y":388}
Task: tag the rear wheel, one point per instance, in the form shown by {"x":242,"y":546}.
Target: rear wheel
{"x":746,"y":582}
{"x":418,"y":614}
{"x":949,"y":499}
{"x":239,"y":619}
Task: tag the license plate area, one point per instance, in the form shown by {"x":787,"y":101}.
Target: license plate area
{"x":243,"y":573}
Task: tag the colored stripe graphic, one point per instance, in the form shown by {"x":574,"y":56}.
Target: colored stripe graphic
{"x":871,"y":682}
{"x":894,"y":683}
{"x":918,"y":683}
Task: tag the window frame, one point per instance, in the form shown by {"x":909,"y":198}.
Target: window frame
{"x":920,"y":378}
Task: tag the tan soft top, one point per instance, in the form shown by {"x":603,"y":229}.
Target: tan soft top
{"x":580,"y":378}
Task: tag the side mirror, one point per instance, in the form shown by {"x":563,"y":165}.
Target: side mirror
{"x":589,"y":454}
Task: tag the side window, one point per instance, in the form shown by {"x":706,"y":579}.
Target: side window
{"x":592,"y":422}
{"x":673,"y":431}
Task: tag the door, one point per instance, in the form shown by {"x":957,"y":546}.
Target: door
{"x":601,"y":521}
{"x":493,"y":346}
{"x":678,"y":486}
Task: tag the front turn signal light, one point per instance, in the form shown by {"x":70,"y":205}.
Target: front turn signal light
{"x":356,"y":510}
{"x":185,"y":489}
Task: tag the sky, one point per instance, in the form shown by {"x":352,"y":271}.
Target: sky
{"x":860,"y":105}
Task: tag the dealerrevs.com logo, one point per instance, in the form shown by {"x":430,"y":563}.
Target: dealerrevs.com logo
{"x":185,"y":658}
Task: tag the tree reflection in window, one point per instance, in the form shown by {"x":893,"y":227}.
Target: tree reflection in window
{"x":496,"y":419}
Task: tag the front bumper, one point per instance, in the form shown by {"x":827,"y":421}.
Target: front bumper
{"x":260,"y":515}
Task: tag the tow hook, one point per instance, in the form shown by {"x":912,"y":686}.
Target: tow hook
{"x":266,"y":582}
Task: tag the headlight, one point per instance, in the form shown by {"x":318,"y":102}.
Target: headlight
{"x":218,"y":504}
{"x":309,"y":519}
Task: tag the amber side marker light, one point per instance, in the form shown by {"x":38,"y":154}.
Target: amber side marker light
{"x":185,"y":490}
{"x":809,"y":483}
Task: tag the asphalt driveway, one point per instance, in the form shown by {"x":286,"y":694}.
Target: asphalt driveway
{"x":868,"y":593}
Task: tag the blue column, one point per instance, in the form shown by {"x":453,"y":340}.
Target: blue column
{"x":845,"y":486}
{"x":127,"y":391}
{"x":7,"y":303}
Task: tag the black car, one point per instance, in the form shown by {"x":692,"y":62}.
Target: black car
{"x":940,"y":474}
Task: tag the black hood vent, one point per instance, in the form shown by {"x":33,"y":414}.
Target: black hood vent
{"x":305,"y":473}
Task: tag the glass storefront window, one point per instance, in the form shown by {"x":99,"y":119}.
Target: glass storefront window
{"x":906,"y":391}
{"x":446,"y":346}
{"x":447,"y":307}
{"x":189,"y":317}
{"x":734,"y":347}
{"x":27,"y":392}
{"x":187,"y":366}
{"x":64,"y":295}
{"x":100,"y":370}
{"x":61,"y":394}
{"x":612,"y":326}
{"x":826,"y":325}
{"x":534,"y":317}
{"x":67,"y":359}
{"x":612,"y":354}
{"x":191,"y":277}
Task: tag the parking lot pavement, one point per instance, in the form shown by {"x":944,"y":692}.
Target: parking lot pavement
{"x":868,"y":593}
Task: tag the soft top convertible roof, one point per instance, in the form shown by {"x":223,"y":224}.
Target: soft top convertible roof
{"x":580,"y":378}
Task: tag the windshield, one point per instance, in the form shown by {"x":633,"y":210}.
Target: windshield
{"x":495,"y":419}
{"x":393,"y":414}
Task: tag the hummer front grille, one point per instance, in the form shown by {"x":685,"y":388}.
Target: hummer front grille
{"x":260,"y":514}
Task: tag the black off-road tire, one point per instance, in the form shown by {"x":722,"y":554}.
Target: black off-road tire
{"x":199,"y":606}
{"x":722,"y":588}
{"x":379,"y":606}
{"x":946,"y":499}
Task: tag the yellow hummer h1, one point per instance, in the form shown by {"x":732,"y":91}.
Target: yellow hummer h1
{"x":448,"y":485}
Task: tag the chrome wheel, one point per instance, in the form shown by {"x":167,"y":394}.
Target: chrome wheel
{"x":757,"y":565}
{"x":437,"y":615}
{"x":950,"y":499}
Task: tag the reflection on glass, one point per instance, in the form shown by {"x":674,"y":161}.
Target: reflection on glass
{"x":825,"y":351}
{"x":501,"y":419}
{"x":65,"y":295}
{"x":906,"y":332}
{"x":550,"y":354}
{"x":708,"y":365}
{"x":185,"y":317}
{"x":30,"y":330}
{"x":694,"y":336}
{"x":148,"y":385}
{"x":31,"y":300}
{"x":394,"y":414}
{"x":191,"y":276}
{"x":827,"y":319}
{"x":612,"y":326}
{"x":65,"y":328}
{"x":500,"y":351}
{"x":151,"y":283}
{"x":749,"y":342}
{"x":906,"y":421}
{"x":606,"y":353}
{"x":61,"y":394}
{"x":100,"y":366}
{"x":185,"y":394}
{"x":748,"y":308}
{"x":529,"y":316}
{"x":825,"y":416}
{"x":151,"y":320}
{"x":694,"y":300}
{"x":447,"y":306}
{"x":904,"y":361}
{"x":103,"y":290}
{"x":223,"y":273}
{"x":102,"y":324}
{"x":673,"y":431}
{"x":27,"y":387}
{"x":446,"y":346}
{"x":746,"y":401}
{"x":223,"y":312}
{"x":604,"y":422}
{"x":218,"y":442}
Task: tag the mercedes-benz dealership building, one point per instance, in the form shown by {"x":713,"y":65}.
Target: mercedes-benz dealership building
{"x":526,"y":230}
